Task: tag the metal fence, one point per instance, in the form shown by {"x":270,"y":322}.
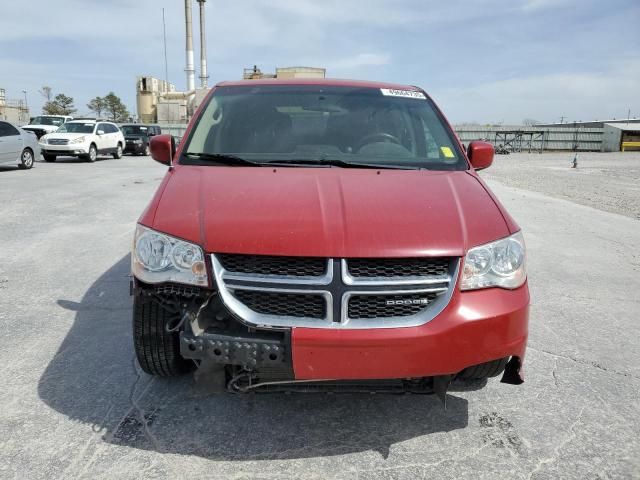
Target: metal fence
{"x":524,"y":139}
{"x":514,"y":139}
{"x":175,"y":129}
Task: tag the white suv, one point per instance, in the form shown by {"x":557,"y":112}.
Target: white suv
{"x":84,"y":139}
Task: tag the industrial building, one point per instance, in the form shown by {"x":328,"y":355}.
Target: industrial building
{"x":589,"y":124}
{"x":621,"y":137}
{"x":285,"y":72}
{"x":157,"y":100}
{"x":14,"y":111}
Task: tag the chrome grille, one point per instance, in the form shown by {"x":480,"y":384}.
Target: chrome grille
{"x":274,"y":291}
{"x":285,"y":304}
{"x":397,"y":267}
{"x":272,"y":265}
{"x":58,"y":141}
{"x":377,"y":306}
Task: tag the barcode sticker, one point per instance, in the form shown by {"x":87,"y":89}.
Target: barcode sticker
{"x":390,"y":92}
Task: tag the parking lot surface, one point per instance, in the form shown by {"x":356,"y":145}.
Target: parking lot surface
{"x":76,"y":405}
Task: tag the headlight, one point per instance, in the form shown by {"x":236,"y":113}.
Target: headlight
{"x":137,"y":141}
{"x":43,"y":140}
{"x":497,"y":264}
{"x":157,"y":258}
{"x":79,"y":140}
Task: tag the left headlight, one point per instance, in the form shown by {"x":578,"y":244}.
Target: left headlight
{"x":158,"y":257}
{"x":497,"y":264}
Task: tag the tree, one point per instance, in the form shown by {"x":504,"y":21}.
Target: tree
{"x":60,"y":105}
{"x":529,"y":122}
{"x":46,"y":93}
{"x":97,"y":105}
{"x":115,"y":108}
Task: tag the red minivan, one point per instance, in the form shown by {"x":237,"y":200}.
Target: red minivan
{"x":327,"y":234}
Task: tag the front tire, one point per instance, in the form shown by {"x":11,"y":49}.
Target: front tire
{"x":118,"y":153}
{"x":157,"y":350}
{"x":484,"y":370}
{"x":26,"y":159}
{"x":93,"y":154}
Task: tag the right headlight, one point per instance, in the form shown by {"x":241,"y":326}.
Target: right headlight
{"x":158,"y":257}
{"x":497,"y":264}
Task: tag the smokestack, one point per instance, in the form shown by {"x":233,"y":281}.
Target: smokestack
{"x":190,"y":70}
{"x":204,"y":77}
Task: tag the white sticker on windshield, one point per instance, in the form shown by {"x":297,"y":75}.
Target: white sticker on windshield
{"x":390,"y":92}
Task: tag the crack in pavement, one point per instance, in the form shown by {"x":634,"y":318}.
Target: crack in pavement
{"x":585,"y":362}
{"x":556,"y":451}
{"x":140,"y":415}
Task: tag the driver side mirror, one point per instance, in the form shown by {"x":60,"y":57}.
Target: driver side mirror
{"x":163,"y":148}
{"x":480,"y":154}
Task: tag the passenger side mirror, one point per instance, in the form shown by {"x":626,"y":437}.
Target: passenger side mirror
{"x":480,"y":154}
{"x":100,"y":132}
{"x":162,"y":147}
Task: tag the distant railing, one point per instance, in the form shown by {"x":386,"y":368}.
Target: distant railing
{"x":519,"y":139}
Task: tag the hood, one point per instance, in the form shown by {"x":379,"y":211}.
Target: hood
{"x":328,"y":212}
{"x":67,"y":135}
{"x":48,"y":128}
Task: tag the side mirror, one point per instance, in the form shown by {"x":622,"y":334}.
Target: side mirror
{"x":480,"y":154}
{"x":100,"y":132}
{"x":162,"y":147}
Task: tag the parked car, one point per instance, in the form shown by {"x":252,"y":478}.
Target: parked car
{"x":17,"y":146}
{"x":312,"y":233}
{"x":138,"y":136}
{"x":84,"y":139}
{"x":44,"y":124}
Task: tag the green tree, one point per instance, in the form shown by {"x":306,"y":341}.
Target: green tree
{"x":60,"y":105}
{"x":115,"y":108}
{"x":97,"y":105}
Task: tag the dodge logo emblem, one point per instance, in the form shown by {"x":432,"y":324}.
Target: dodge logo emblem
{"x":419,"y":301}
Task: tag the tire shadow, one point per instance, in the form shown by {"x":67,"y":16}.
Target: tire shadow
{"x":94,"y":379}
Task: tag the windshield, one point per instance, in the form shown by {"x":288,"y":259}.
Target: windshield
{"x":76,"y":128}
{"x":134,"y":130}
{"x":55,"y":121}
{"x":355,"y":125}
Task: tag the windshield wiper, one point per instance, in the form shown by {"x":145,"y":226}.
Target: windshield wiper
{"x":335,"y":162}
{"x":222,"y":158}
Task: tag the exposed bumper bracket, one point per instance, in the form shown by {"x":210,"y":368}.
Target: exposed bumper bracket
{"x":251,"y":353}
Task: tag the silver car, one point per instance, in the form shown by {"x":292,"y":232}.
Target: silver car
{"x":17,"y":146}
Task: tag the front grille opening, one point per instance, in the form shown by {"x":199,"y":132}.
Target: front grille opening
{"x":283,"y":304}
{"x":381,"y":306}
{"x":398,"y":267}
{"x":273,"y":265}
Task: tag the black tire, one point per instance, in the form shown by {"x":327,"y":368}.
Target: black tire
{"x":26,"y":159}
{"x":484,"y":370}
{"x":118,"y":153}
{"x":49,"y":158}
{"x":92,"y":155}
{"x":157,"y":350}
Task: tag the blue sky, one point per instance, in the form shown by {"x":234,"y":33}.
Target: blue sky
{"x":481,"y":60}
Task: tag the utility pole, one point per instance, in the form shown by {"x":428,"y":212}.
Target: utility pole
{"x":562,"y":119}
{"x":166,"y":63}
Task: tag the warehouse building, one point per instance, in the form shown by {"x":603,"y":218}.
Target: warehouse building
{"x":621,"y":137}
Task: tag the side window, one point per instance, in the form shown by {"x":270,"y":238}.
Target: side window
{"x":103,"y":127}
{"x":7,"y":130}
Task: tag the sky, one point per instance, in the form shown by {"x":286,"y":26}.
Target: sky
{"x":485,"y":61}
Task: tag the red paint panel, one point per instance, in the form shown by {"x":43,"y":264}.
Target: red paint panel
{"x":328,"y":211}
{"x":476,"y":327}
